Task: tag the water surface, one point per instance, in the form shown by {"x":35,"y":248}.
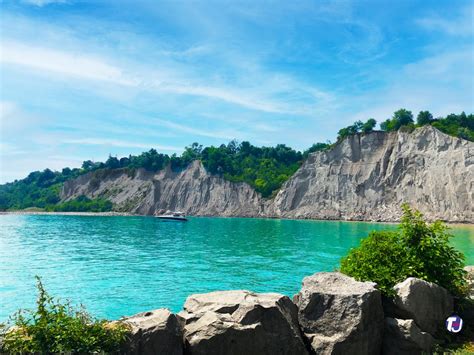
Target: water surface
{"x":119,"y":266}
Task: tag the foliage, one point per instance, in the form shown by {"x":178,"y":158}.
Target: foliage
{"x":357,"y":127}
{"x":55,"y":327}
{"x":461,"y":125}
{"x":417,"y":249}
{"x":317,"y":147}
{"x":424,"y":118}
{"x":82,"y":204}
{"x":38,"y":189}
{"x":400,"y":118}
{"x":264,"y":168}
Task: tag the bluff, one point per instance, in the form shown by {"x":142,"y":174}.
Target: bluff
{"x":364,"y":177}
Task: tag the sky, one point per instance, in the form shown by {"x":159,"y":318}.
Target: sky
{"x":83,"y":80}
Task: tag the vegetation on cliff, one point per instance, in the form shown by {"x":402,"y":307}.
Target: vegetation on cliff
{"x":417,"y":249}
{"x":56,"y":327}
{"x":264,"y":168}
{"x":82,"y":204}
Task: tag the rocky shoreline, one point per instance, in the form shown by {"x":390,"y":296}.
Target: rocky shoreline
{"x":68,"y":213}
{"x":129,"y":214}
{"x":331,"y":314}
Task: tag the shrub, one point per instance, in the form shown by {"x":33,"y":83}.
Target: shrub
{"x":417,"y":249}
{"x":56,"y":327}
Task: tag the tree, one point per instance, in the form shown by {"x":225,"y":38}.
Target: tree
{"x":87,"y":164}
{"x":402,"y":117}
{"x":424,"y":118}
{"x":317,"y":147}
{"x":369,"y":125}
{"x":112,"y":162}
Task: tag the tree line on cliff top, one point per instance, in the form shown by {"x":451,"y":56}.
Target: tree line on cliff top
{"x":264,"y":168}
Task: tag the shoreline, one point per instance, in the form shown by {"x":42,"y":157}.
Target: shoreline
{"x":98,"y":214}
{"x":129,"y":214}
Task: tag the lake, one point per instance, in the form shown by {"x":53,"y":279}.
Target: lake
{"x":119,"y":266}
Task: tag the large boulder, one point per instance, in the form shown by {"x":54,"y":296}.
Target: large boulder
{"x":340,"y":315}
{"x":154,"y":332}
{"x":241,"y":322}
{"x":425,"y":302}
{"x":404,"y":337}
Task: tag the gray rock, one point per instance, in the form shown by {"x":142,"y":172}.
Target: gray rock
{"x":241,"y":322}
{"x":368,"y":177}
{"x":364,"y":177}
{"x":403,"y":337}
{"x":154,"y":332}
{"x":425,"y":302}
{"x":340,"y":315}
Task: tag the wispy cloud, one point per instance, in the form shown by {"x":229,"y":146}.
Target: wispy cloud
{"x":70,"y":64}
{"x":196,"y":131}
{"x":81,"y":65}
{"x":42,"y":3}
{"x":118,"y":143}
{"x":463,"y":25}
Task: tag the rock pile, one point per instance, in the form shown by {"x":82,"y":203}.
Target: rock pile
{"x":332,"y":314}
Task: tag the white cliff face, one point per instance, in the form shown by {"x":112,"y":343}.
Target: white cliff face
{"x":368,"y":177}
{"x":365,"y":177}
{"x":193,"y":191}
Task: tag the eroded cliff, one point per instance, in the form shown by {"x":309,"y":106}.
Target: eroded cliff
{"x":365,"y":177}
{"x":368,"y":177}
{"x":193,"y":191}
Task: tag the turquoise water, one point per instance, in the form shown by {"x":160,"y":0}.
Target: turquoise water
{"x":119,"y":266}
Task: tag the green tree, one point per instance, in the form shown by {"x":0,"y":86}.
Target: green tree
{"x":369,"y":125}
{"x":424,"y":118}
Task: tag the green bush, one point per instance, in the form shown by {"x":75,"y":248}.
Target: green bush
{"x":82,"y":204}
{"x":56,"y":327}
{"x":416,"y":249}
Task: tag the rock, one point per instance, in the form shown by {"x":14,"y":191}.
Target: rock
{"x":154,"y":332}
{"x":403,"y":337}
{"x":368,"y":177}
{"x":340,"y":315}
{"x":364,"y":177}
{"x":425,"y":302}
{"x":241,"y":322}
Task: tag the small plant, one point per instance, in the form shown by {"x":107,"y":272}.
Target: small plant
{"x":417,"y":249}
{"x":56,"y":327}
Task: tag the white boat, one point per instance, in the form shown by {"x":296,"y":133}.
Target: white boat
{"x":173,"y":216}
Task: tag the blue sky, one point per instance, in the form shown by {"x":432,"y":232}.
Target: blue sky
{"x":84,"y":79}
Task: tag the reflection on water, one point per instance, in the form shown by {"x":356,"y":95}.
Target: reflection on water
{"x":123,"y":265}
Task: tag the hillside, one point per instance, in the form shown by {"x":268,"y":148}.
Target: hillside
{"x":336,"y":181}
{"x":364,"y":177}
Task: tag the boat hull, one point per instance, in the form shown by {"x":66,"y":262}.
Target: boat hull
{"x":172,"y":219}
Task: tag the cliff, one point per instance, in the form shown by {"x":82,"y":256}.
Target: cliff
{"x":192,"y":190}
{"x":368,"y":177}
{"x":365,"y":177}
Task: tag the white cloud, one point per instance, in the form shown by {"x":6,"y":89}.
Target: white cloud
{"x":196,"y":131}
{"x":461,"y":26}
{"x":71,"y":64}
{"x":41,"y":3}
{"x":441,"y":83}
{"x":118,"y":143}
{"x":269,"y":92}
{"x":13,"y":119}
